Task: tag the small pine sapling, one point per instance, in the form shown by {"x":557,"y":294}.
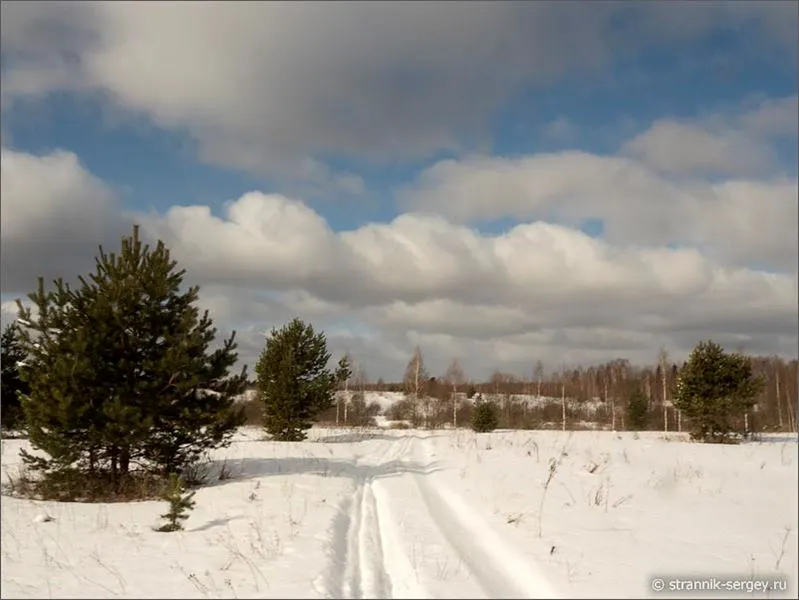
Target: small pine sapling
{"x":179,"y":505}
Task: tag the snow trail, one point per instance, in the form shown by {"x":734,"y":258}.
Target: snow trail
{"x":369,"y":553}
{"x":356,"y":567}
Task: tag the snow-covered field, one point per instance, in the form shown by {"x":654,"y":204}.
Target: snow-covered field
{"x":416,"y":514}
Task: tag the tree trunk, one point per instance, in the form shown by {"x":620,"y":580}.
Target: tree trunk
{"x":416,"y":399}
{"x":613,"y":413}
{"x":664,"y":367}
{"x":124,"y":460}
{"x":563,"y":405}
{"x":779,"y":399}
{"x":454,"y":406}
{"x":346,"y":400}
{"x":665,"y":401}
{"x":114,"y":465}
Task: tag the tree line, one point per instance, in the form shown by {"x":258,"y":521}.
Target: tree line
{"x":599,"y":394}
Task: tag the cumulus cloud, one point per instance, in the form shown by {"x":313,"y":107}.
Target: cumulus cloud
{"x":261,"y":235}
{"x":539,"y":286}
{"x":772,"y":117}
{"x":562,"y":130}
{"x":718,"y":144}
{"x":274,"y":87}
{"x":536,"y":291}
{"x":676,"y":147}
{"x":8,"y":312}
{"x":650,"y":193}
{"x":680,"y":259}
{"x":54,"y":216}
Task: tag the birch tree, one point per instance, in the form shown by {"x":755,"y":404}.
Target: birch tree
{"x":663,"y":361}
{"x":538,"y":373}
{"x":415,"y":384}
{"x":455,"y":378}
{"x":343,"y":375}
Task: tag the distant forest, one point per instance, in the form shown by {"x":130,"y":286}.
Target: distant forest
{"x":596,"y":396}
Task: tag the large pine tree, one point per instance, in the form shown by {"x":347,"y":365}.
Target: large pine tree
{"x":122,"y":369}
{"x":13,"y":356}
{"x":294,"y":381}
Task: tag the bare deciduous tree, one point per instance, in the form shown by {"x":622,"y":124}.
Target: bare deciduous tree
{"x":455,"y":378}
{"x":663,"y":362}
{"x":415,"y":384}
{"x":343,"y":375}
{"x":538,"y":372}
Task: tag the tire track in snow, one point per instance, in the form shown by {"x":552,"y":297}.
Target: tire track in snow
{"x":500,"y":570}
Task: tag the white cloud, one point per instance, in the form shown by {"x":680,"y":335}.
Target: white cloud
{"x":537,"y":291}
{"x":260,"y":237}
{"x":8,"y":313}
{"x":772,"y":117}
{"x":562,"y":130}
{"x":271,"y":87}
{"x":54,"y":216}
{"x":737,"y":144}
{"x":675,"y":147}
{"x":736,"y":221}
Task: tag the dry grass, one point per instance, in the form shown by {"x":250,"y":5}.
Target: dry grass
{"x":76,"y":486}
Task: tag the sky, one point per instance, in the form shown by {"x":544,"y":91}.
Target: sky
{"x":502,"y":183}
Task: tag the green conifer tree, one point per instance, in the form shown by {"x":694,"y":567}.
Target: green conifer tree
{"x":484,"y":416}
{"x":12,"y":356}
{"x":123,"y":371}
{"x":713,"y":387}
{"x":179,"y":505}
{"x":294,"y":381}
{"x":636,"y":410}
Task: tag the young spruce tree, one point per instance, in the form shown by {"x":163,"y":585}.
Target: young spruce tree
{"x":293,"y":380}
{"x":180,"y":504}
{"x":12,"y":356}
{"x":637,"y":408}
{"x":122,"y":370}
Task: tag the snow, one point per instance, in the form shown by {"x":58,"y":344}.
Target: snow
{"x":386,"y":400}
{"x":375,"y":513}
{"x":383,"y":399}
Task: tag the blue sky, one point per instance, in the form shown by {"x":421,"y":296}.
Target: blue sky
{"x":358,"y":127}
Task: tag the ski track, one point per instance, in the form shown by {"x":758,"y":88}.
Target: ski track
{"x":500,"y":570}
{"x":356,"y":567}
{"x":367,"y":556}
